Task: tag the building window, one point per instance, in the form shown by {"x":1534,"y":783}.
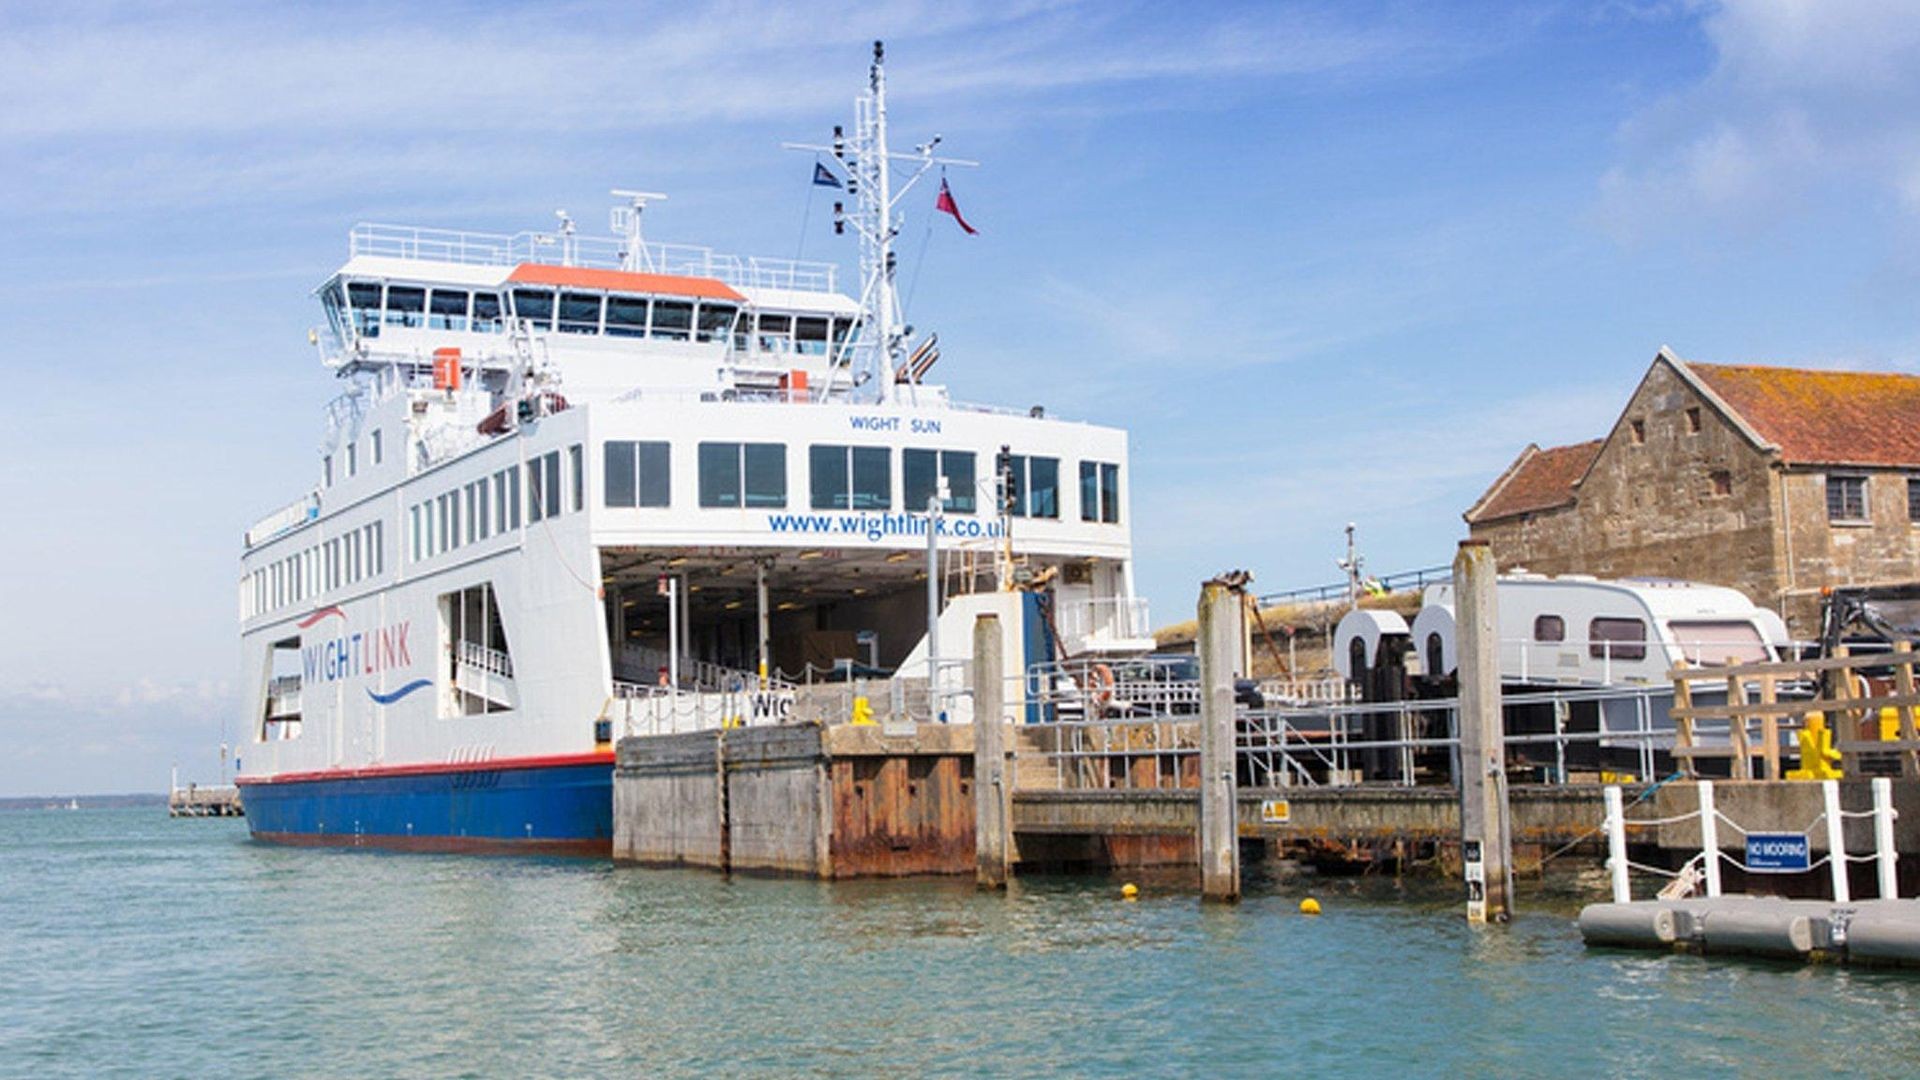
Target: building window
{"x":742,"y":474}
{"x":1693,"y":420}
{"x":1549,"y":628}
{"x":1721,"y":481}
{"x":850,"y":477}
{"x":1913,"y":499}
{"x":636,"y":473}
{"x":1637,"y":431}
{"x":1617,"y":639}
{"x":1847,"y":498}
{"x":922,"y":470}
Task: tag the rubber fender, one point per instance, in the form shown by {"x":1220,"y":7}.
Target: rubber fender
{"x":1632,"y":926}
{"x":1757,"y":930}
{"x":1887,"y":933}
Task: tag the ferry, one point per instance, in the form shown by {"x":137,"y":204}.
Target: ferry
{"x":577,"y":487}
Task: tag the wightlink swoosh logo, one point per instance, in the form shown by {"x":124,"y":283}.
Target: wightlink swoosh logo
{"x":396,"y":695}
{"x":307,"y":623}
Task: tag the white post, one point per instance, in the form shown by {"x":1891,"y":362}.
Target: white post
{"x":760,"y":590}
{"x":1836,"y":842}
{"x":1886,"y":858}
{"x":1709,"y":837}
{"x":933,"y":605}
{"x":1617,"y":844}
{"x":673,"y":640}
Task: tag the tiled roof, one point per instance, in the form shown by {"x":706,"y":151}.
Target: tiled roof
{"x":1824,"y":417}
{"x":1538,"y":480}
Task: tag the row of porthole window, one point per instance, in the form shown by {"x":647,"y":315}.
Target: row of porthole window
{"x":344,"y":560}
{"x":841,"y":477}
{"x":481,"y":509}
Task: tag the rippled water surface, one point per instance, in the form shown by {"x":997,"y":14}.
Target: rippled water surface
{"x":134,"y":945}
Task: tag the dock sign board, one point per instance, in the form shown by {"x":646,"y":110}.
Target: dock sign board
{"x":1778,"y":853}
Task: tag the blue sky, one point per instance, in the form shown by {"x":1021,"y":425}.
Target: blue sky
{"x":1329,"y":261}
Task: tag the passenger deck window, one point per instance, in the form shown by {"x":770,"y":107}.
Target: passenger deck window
{"x":672,"y":319}
{"x":775,"y":334}
{"x":626,"y":316}
{"x":636,"y":474}
{"x":580,"y":313}
{"x":364,"y":298}
{"x":715,"y":321}
{"x":535,"y":307}
{"x":1016,"y":485}
{"x":920,"y":473}
{"x":851,"y":477}
{"x":1100,"y":492}
{"x":1043,"y":487}
{"x":752,"y":475}
{"x":406,"y":305}
{"x":448,"y":310}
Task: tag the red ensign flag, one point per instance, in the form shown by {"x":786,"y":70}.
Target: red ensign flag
{"x":945,"y":203}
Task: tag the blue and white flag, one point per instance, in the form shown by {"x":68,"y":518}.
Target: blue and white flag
{"x":823,"y":176}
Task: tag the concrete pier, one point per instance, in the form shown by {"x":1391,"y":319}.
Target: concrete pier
{"x":196,"y":801}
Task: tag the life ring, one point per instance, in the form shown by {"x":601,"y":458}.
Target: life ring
{"x":1100,"y":688}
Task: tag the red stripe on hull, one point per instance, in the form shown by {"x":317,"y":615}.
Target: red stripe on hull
{"x":461,"y":845}
{"x":429,"y":768}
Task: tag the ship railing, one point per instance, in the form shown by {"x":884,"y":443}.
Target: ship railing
{"x":502,"y":249}
{"x":1111,"y":618}
{"x":492,"y":661}
{"x":291,"y":516}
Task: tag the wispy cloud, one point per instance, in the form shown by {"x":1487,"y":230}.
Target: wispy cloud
{"x":1806,"y":100}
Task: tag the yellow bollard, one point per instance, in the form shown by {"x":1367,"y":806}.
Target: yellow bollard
{"x":862,"y":711}
{"x":1129,"y":891}
{"x":1818,"y":759}
{"x":1309,"y":906}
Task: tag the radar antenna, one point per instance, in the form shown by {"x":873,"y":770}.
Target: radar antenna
{"x":866,"y":165}
{"x":626,"y":224}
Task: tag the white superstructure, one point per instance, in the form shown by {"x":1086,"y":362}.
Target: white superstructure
{"x":567,"y":470}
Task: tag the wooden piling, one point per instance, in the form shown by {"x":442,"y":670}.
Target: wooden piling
{"x":991,"y":798}
{"x":1219,"y":643}
{"x":1486,"y":834}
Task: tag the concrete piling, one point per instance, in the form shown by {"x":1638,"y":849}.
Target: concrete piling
{"x":1486,"y":832}
{"x":991,"y":797}
{"x":1219,"y":644}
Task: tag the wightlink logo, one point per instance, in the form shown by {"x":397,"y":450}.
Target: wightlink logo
{"x":358,"y":654}
{"x":877,"y":527}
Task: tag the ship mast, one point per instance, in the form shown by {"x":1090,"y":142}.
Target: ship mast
{"x":866,"y":161}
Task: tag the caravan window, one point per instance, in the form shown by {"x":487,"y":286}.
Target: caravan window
{"x":1549,"y":628}
{"x":1717,"y":642}
{"x":1618,"y":639}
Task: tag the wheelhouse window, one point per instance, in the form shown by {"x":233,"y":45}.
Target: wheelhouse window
{"x":810,"y":335}
{"x":1617,"y":639}
{"x":626,"y":316}
{"x":447,"y":309}
{"x":672,"y":320}
{"x":406,"y":305}
{"x":851,"y":477}
{"x":715,"y":321}
{"x":636,"y":473}
{"x":1033,"y":486}
{"x":1099,"y":492}
{"x":486,"y":313}
{"x":1549,"y":628}
{"x":922,"y":470}
{"x":1847,"y":499}
{"x":748,"y":475}
{"x":535,"y":307}
{"x":775,"y":334}
{"x":842,"y":333}
{"x":580,"y":313}
{"x":335,"y":304}
{"x":363,"y":298}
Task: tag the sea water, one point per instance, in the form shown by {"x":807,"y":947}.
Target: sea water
{"x":136,"y":945}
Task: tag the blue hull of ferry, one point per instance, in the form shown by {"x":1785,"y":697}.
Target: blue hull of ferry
{"x":501,"y":807}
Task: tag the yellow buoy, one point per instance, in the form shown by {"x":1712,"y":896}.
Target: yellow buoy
{"x":1129,"y":891}
{"x":1309,"y":906}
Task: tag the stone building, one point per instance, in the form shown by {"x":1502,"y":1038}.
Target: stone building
{"x":1775,"y":481}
